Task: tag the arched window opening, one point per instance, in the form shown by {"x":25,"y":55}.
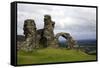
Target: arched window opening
{"x":62,"y":42}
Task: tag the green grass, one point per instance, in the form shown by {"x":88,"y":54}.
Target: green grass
{"x":51,"y":55}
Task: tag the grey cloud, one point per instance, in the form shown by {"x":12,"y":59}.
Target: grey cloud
{"x":76,"y":20}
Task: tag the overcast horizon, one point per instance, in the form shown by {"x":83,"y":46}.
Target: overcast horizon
{"x":80,"y":22}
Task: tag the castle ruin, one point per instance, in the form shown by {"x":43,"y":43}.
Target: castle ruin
{"x":43,"y":38}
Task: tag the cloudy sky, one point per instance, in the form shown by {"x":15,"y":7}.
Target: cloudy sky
{"x":80,"y":22}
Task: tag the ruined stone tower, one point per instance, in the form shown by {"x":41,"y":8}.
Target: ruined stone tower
{"x":30,"y":35}
{"x":48,"y":32}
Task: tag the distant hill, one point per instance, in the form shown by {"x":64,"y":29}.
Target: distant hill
{"x":20,"y":38}
{"x":92,"y":41}
{"x":88,"y":46}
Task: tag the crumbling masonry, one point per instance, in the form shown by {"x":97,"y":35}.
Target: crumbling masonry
{"x":43,"y":38}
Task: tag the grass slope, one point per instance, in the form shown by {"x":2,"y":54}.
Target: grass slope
{"x":50,"y":55}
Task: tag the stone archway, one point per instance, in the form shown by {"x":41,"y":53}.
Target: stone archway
{"x":70,"y":41}
{"x":62,"y":42}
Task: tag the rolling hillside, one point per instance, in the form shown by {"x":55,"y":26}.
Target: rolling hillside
{"x":50,"y":55}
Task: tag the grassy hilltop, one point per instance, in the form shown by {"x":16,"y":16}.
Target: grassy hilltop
{"x":51,"y":55}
